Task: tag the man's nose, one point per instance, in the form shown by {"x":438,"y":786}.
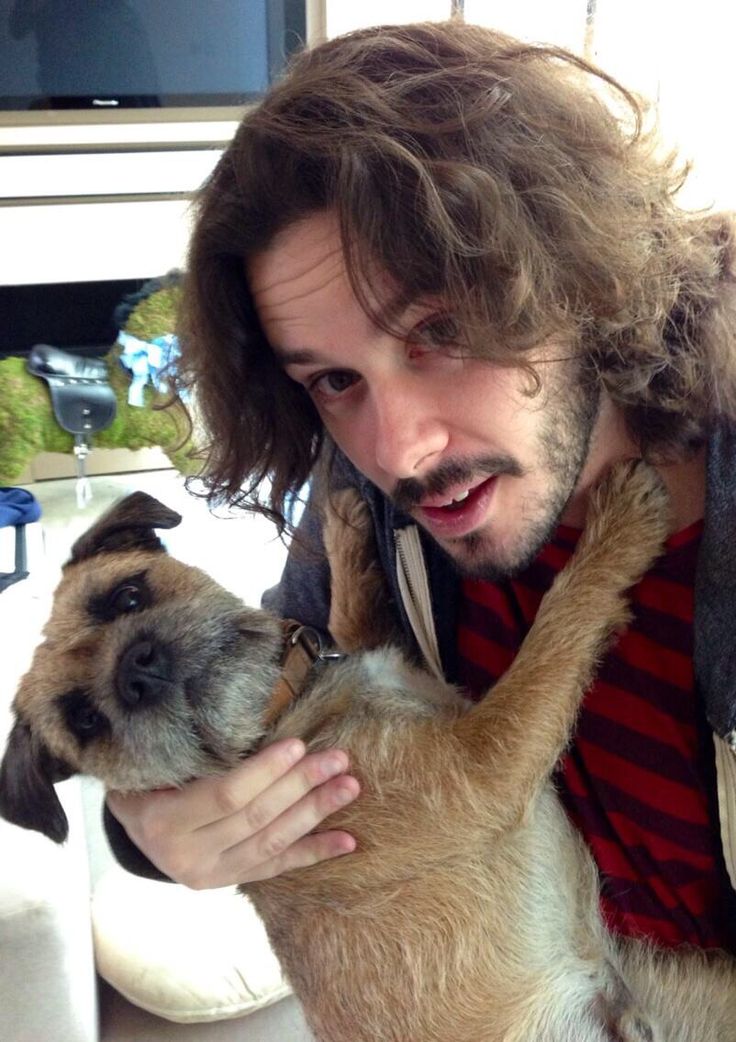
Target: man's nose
{"x":409,"y":432}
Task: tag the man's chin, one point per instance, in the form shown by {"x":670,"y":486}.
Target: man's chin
{"x":473,"y":558}
{"x":479,"y":555}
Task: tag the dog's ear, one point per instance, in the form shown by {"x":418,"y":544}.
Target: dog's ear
{"x":27,"y":775}
{"x":128,"y":525}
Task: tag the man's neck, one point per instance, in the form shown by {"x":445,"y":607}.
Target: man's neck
{"x":685,"y":483}
{"x":610,"y":442}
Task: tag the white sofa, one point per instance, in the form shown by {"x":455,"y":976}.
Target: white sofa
{"x":89,"y":953}
{"x":47,"y":979}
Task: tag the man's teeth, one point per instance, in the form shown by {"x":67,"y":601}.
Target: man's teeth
{"x":454,"y":501}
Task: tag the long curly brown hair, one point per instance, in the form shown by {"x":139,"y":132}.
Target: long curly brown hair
{"x":515,"y":181}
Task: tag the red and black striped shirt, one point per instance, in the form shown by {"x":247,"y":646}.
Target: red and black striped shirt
{"x":639,"y":779}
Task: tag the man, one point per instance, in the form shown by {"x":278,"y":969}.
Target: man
{"x":434,"y":261}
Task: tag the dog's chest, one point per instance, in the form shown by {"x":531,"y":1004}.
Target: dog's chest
{"x":395,"y":723}
{"x":444,"y":951}
{"x":376,"y":693}
{"x":409,"y":919}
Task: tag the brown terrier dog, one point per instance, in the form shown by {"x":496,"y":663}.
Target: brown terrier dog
{"x":470,"y":909}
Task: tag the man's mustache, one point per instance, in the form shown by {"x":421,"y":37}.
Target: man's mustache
{"x":409,"y":492}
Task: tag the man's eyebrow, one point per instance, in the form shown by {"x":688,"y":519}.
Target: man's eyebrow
{"x":296,"y":356}
{"x":393,"y":311}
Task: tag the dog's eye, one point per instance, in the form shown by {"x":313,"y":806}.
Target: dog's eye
{"x":127,"y":598}
{"x":83,"y":719}
{"x":131,"y":595}
{"x":87,"y":721}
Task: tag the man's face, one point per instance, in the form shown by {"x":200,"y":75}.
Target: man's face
{"x":455,"y":441}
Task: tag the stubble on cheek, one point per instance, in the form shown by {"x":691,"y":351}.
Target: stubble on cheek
{"x":563,"y":443}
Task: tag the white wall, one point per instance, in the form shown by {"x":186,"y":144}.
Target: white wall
{"x":342,"y":17}
{"x":680,"y":56}
{"x":677,"y":56}
{"x":86,"y":215}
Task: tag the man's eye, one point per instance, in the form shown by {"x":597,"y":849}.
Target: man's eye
{"x":438,"y":330}
{"x":333,"y":383}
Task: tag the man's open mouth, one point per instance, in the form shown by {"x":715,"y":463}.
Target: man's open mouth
{"x":456,"y":511}
{"x":453,"y":498}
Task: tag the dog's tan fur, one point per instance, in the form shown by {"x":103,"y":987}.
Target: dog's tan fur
{"x":470,"y":909}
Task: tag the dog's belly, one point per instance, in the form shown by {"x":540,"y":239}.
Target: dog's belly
{"x":444,"y":925}
{"x":688,"y":993}
{"x":445,"y":954}
{"x":420,"y":969}
{"x":440,"y":926}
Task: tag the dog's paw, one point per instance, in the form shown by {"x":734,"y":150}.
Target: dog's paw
{"x":633,"y":492}
{"x":628,"y":519}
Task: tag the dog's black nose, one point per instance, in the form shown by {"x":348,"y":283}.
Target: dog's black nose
{"x":144,"y":674}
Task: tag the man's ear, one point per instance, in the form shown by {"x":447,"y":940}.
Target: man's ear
{"x":27,"y":775}
{"x":128,"y":525}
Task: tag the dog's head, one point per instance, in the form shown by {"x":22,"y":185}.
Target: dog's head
{"x":150,"y":673}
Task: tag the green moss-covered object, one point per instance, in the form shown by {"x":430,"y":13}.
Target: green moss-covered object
{"x":155,"y":315}
{"x":28,"y":425}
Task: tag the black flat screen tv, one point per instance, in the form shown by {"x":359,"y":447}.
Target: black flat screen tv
{"x":108,"y":55}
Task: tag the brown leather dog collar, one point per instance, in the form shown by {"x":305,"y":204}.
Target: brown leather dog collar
{"x":303,"y":648}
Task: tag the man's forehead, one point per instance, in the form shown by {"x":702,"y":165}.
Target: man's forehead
{"x":309,"y":248}
{"x":305,"y":266}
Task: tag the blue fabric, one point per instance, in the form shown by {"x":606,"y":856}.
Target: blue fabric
{"x":147,"y":363}
{"x":18,"y":507}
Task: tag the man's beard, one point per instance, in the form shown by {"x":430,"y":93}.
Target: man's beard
{"x":563,"y":443}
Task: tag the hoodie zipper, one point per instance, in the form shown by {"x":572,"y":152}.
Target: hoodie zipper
{"x":726,"y":778}
{"x":414,"y":588}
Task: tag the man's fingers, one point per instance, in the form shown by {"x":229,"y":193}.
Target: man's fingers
{"x":298,"y":821}
{"x":308,"y":851}
{"x":289,"y":843}
{"x":202,"y":861}
{"x":248,"y":824}
{"x":283,"y":795}
{"x":206,"y":800}
{"x":243,"y":784}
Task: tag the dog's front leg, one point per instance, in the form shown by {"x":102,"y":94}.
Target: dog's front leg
{"x":361,"y":613}
{"x":518,"y":732}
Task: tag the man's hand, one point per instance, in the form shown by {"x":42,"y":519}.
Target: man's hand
{"x":251,"y":823}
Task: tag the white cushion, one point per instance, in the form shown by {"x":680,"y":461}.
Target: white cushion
{"x":47,"y":984}
{"x":188,"y":956}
